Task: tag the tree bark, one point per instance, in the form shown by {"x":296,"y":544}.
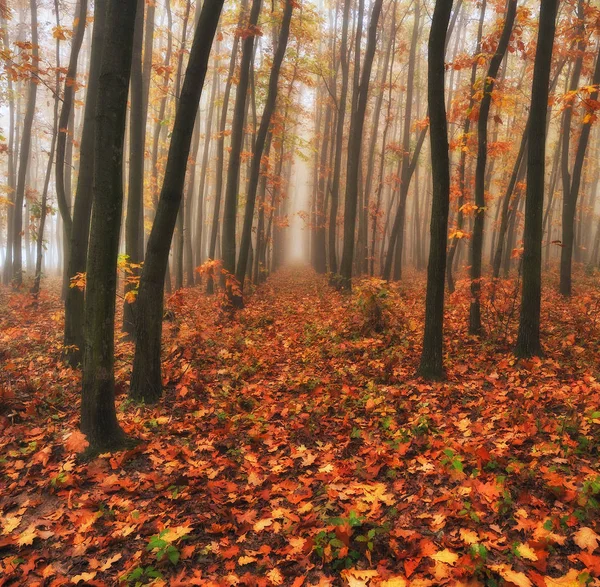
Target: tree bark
{"x":431,"y":365}
{"x":484,"y":111}
{"x":98,"y":415}
{"x":146,"y":382}
{"x":528,"y":341}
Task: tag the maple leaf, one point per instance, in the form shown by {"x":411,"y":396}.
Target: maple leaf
{"x":10,"y":523}
{"x":511,"y":575}
{"x":262,"y":524}
{"x":445,"y":556}
{"x":246,"y":560}
{"x":525,"y":551}
{"x":28,"y":536}
{"x":76,"y":442}
{"x":586,"y":539}
{"x":358,"y":578}
{"x":275,"y":576}
{"x":109,"y":562}
{"x":468,"y":536}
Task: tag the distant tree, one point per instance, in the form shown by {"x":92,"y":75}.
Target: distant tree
{"x":17,"y":261}
{"x":259,"y":144}
{"x":482,"y":147}
{"x":528,"y":341}
{"x":572,"y":181}
{"x":431,"y":366}
{"x":228,"y":244}
{"x":357,"y":120}
{"x":146,"y":382}
{"x":98,"y":415}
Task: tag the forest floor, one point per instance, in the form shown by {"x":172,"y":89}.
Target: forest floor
{"x":294,"y":445}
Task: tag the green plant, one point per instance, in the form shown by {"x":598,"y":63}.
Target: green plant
{"x":141,"y":576}
{"x":162,"y":547}
{"x":452,"y":460}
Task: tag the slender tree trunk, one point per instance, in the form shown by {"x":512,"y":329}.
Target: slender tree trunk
{"x":484,"y":111}
{"x":431,"y":365}
{"x":259,"y":145}
{"x":572,"y":183}
{"x":354,"y":148}
{"x":455,"y":242}
{"x":228,"y":245}
{"x":75,"y":298}
{"x":17,"y":268}
{"x":528,"y":342}
{"x":146,"y":382}
{"x":98,"y":415}
{"x":397,"y":234}
{"x":212,"y":249}
{"x":339,"y":137}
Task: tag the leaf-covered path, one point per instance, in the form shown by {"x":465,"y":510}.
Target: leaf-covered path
{"x":295,"y":446}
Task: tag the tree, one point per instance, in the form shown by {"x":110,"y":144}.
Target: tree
{"x":146,"y":383}
{"x":82,"y":207}
{"x":98,"y":415}
{"x":237,"y":137}
{"x":66,"y":113}
{"x":482,"y":147}
{"x":17,"y":261}
{"x":571,"y":183}
{"x":528,"y":341}
{"x":431,"y":366}
{"x":134,"y":222}
{"x":357,"y":121}
{"x":259,"y":144}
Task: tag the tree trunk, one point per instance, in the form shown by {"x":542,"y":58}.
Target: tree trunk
{"x":339,"y":137}
{"x":17,"y":267}
{"x":484,"y":110}
{"x":82,"y":209}
{"x":259,"y":145}
{"x":431,"y":365}
{"x":228,"y":244}
{"x":146,"y":382}
{"x":528,"y":342}
{"x":98,"y":415}
{"x":357,"y":121}
{"x":572,"y":183}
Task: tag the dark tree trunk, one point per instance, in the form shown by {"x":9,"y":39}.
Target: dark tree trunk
{"x":82,"y":209}
{"x":134,"y":238}
{"x":212,"y":246}
{"x":228,"y":244}
{"x":478,"y":226}
{"x":63,"y":122}
{"x":146,"y":383}
{"x":339,"y":137}
{"x":528,"y":342}
{"x":431,"y":365}
{"x":455,"y":242}
{"x":571,"y":183}
{"x":397,"y":234}
{"x":259,"y":145}
{"x":98,"y":415}
{"x":17,"y":267}
{"x":357,"y":121}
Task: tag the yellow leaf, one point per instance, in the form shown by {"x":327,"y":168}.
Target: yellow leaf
{"x":357,"y":578}
{"x":586,"y":539}
{"x":525,"y":551}
{"x":110,"y":561}
{"x":395,"y":582}
{"x":468,"y":536}
{"x":445,"y":556}
{"x":262,"y":524}
{"x":275,"y":576}
{"x":28,"y":536}
{"x":10,"y":523}
{"x":246,"y":560}
{"x":173,"y":534}
{"x":568,"y":580}
{"x":511,"y":575}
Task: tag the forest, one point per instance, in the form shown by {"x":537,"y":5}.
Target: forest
{"x":300,"y":292}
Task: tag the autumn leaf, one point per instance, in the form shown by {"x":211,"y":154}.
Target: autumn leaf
{"x":586,"y":539}
{"x":84,"y":577}
{"x":445,"y":556}
{"x":28,"y":536}
{"x":507,"y":573}
{"x":76,"y":442}
{"x":525,"y":551}
{"x":246,"y":560}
